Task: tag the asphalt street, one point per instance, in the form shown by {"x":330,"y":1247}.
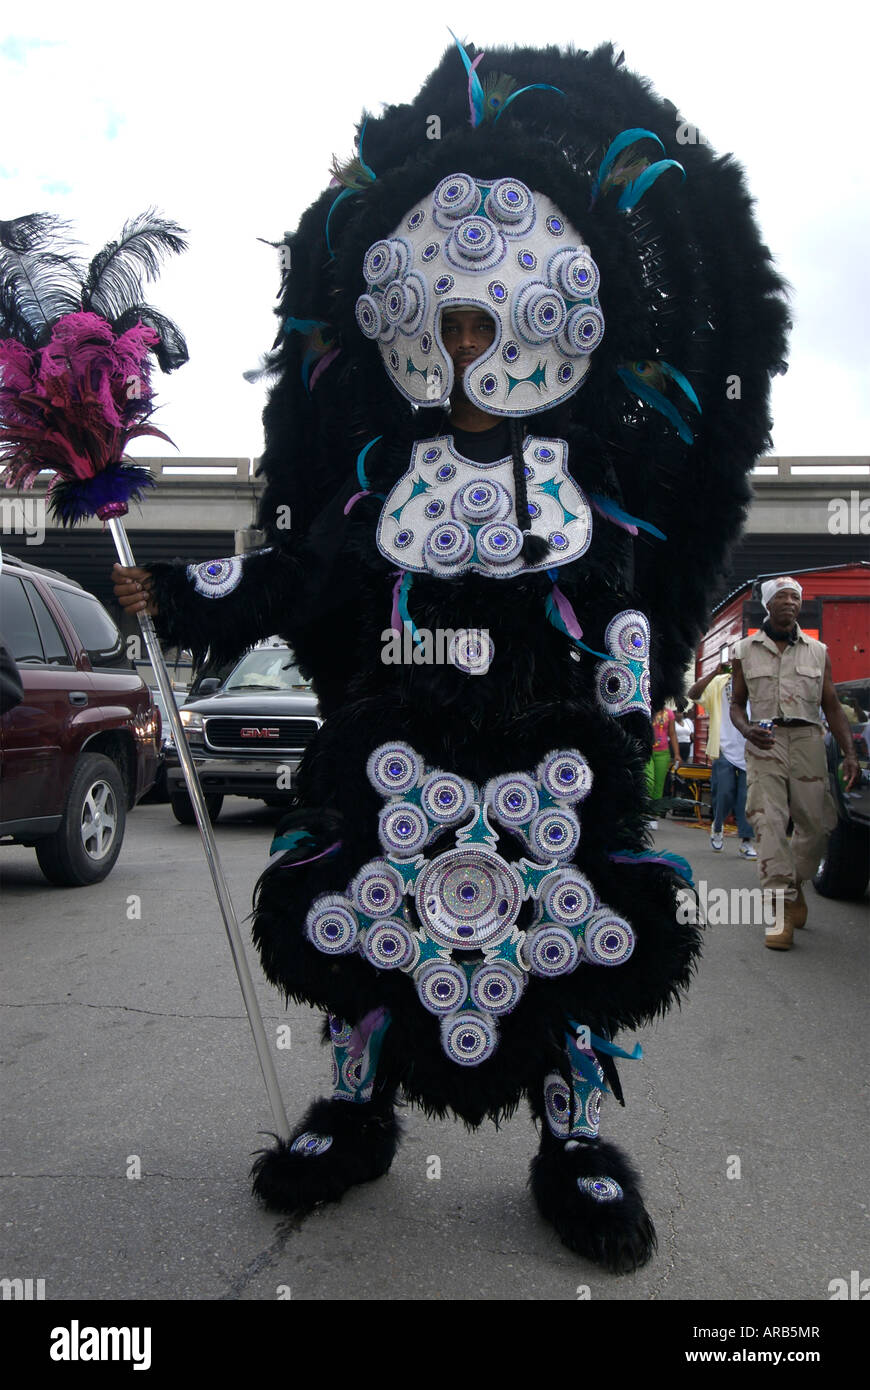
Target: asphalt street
{"x":127,"y":1052}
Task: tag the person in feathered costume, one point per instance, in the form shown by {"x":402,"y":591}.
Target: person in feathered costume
{"x":522,"y":375}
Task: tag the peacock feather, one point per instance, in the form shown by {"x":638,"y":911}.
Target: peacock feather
{"x":626,"y":167}
{"x":353,"y":174}
{"x":487,"y":100}
{"x":497,"y":88}
{"x":650,"y":380}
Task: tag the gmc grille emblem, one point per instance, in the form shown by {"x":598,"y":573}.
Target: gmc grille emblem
{"x":261,"y":733}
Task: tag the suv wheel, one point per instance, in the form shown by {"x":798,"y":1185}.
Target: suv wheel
{"x":88,"y":841}
{"x":182,"y":807}
{"x":844,"y":871}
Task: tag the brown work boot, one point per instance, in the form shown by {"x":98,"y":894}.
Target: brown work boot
{"x":800,"y":909}
{"x":779,"y":936}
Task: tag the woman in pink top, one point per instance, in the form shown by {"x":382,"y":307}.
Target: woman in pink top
{"x":666,"y":750}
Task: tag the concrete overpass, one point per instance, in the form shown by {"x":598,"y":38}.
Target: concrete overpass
{"x":806,"y":511}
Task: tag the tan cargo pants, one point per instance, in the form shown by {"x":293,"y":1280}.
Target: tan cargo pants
{"x":790,"y":779}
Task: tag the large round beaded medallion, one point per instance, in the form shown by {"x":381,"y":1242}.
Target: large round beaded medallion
{"x":469,"y":898}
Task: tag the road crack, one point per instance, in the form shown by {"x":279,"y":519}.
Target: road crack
{"x":98,"y":1177}
{"x":266,"y":1259}
{"x":127,"y":1008}
{"x":674,"y":1207}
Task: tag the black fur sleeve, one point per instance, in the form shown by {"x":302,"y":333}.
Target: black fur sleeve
{"x":222,"y":615}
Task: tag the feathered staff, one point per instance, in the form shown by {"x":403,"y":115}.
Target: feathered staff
{"x":75,"y":384}
{"x":75,"y":388}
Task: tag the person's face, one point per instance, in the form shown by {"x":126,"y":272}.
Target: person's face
{"x":784,"y":608}
{"x":466,"y":334}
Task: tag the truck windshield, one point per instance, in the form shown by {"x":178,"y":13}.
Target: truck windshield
{"x":271,"y":669}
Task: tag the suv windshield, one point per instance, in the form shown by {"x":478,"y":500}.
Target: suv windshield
{"x":271,"y":669}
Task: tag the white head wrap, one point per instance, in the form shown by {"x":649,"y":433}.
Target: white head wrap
{"x":772,"y":586}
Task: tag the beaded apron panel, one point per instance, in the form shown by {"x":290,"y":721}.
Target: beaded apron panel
{"x":451,"y":920}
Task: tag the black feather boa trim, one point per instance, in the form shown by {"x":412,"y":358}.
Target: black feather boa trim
{"x":364,"y":1142}
{"x":617,"y":1234}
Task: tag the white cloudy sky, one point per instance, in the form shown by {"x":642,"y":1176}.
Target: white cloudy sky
{"x":226,"y":118}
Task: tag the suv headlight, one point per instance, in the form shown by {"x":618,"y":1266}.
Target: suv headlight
{"x":191,"y":720}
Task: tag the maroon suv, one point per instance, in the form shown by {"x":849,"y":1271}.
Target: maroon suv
{"x":81,"y":748}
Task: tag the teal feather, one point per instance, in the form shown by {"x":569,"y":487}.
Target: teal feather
{"x":609,"y":508}
{"x":292,"y":325}
{"x":624,"y":139}
{"x":658,"y":402}
{"x":554,"y":617}
{"x":532,"y":87}
{"x":476,"y":98}
{"x":635,"y":190}
{"x":361,"y":460}
{"x":290,"y":840}
{"x":584,"y":1065}
{"x":683,"y":382}
{"x":611,"y":1050}
{"x":362,"y":135}
{"x":404,"y":612}
{"x":356,"y":176}
{"x":604,"y":1045}
{"x":675,"y":861}
{"x":345,"y":193}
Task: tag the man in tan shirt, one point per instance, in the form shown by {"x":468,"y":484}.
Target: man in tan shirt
{"x":786,"y":676}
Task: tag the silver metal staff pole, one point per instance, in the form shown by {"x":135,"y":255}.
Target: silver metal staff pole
{"x":234,"y":935}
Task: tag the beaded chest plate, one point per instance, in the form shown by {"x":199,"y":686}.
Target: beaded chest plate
{"x":448,"y":514}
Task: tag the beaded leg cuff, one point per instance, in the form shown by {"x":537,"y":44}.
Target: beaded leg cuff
{"x":355,"y":1053}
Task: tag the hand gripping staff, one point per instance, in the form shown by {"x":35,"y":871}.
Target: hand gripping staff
{"x":74,"y":390}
